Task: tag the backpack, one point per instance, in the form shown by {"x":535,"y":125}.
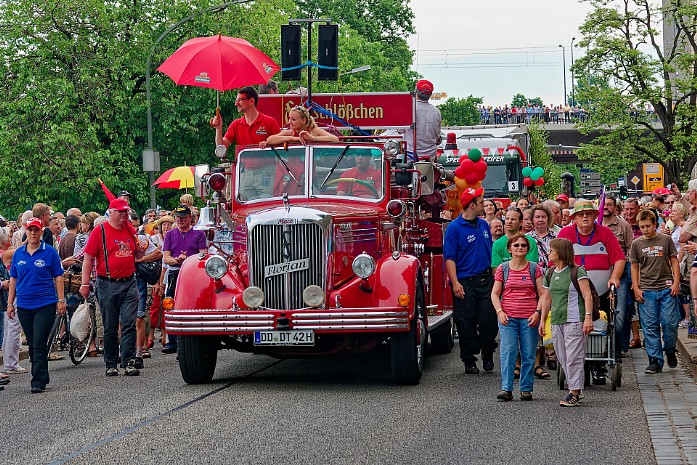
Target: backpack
{"x":574,"y":279}
{"x":506,"y":267}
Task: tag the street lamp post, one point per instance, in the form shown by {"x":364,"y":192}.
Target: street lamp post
{"x":573,"y":85}
{"x":563,"y":57}
{"x":150,"y":153}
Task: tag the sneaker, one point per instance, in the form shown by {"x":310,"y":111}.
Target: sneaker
{"x":653,"y":368}
{"x":112,"y":371}
{"x":16,"y":371}
{"x":684,"y":324}
{"x":138,"y":362}
{"x":36,"y":390}
{"x":488,"y":363}
{"x":471,"y":368}
{"x":571,"y":400}
{"x":671,"y":359}
{"x":131,"y":369}
{"x":504,"y":396}
{"x":525,"y":395}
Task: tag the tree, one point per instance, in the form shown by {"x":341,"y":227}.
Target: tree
{"x":519,"y":100}
{"x":540,"y":156}
{"x":461,"y":111}
{"x":626,"y":46}
{"x":536,"y":101}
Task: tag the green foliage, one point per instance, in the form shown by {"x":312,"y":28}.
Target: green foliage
{"x":624,"y":74}
{"x":519,"y":100}
{"x":536,"y":101}
{"x":461,"y":111}
{"x":539,"y":156}
{"x":74,"y":103}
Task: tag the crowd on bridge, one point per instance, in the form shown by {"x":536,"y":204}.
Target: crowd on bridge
{"x":531,"y":273}
{"x":550,"y":114}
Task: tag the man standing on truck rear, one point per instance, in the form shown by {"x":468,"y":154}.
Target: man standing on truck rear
{"x":426,"y":127}
{"x":467,"y":252}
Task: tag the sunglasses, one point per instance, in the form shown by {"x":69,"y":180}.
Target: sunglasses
{"x":520,"y":245}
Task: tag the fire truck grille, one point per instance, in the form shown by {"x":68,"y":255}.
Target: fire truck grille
{"x":284,"y":260}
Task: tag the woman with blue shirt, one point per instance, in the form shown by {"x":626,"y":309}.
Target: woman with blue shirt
{"x":36,"y":280}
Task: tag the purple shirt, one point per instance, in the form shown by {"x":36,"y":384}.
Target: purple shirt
{"x":189,"y":242}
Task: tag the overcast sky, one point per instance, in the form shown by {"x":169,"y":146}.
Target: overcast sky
{"x":498,"y":48}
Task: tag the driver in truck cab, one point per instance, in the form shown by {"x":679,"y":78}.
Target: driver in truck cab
{"x":363,"y":171}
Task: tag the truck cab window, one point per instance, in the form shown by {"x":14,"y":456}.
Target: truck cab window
{"x":359,"y":172}
{"x":265,"y":174}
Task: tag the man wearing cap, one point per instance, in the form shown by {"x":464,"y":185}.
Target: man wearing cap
{"x":597,"y":249}
{"x":563,"y":200}
{"x":467,"y":252}
{"x":426,"y":131}
{"x":125,"y":195}
{"x":115,"y":248}
{"x":179,"y":244}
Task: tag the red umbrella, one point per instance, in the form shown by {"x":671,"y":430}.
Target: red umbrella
{"x":220,"y":63}
{"x":662,"y":191}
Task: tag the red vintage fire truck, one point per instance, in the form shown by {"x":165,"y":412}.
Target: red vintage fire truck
{"x":330,"y":248}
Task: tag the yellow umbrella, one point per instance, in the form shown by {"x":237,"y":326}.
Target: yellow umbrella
{"x":181,"y":177}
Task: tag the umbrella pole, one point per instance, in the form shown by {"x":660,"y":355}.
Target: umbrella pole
{"x":217,"y":103}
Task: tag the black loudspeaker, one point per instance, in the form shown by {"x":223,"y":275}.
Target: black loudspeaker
{"x":290,"y":52}
{"x":328,"y":52}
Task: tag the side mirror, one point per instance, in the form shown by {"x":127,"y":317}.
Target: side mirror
{"x":427,"y":173}
{"x":200,"y":187}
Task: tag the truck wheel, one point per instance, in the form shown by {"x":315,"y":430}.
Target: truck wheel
{"x":443,"y":339}
{"x":197,"y":358}
{"x":407,"y":349}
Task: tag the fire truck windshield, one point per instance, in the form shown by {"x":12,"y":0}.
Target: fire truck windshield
{"x":496,"y":181}
{"x":265,"y":174}
{"x":359,"y":172}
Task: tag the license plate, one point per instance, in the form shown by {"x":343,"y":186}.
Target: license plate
{"x":284,"y":338}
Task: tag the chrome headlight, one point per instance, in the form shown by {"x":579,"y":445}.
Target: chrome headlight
{"x":216,"y":267}
{"x":253,"y":297}
{"x":363,"y":265}
{"x":391,"y":147}
{"x":313,"y":296}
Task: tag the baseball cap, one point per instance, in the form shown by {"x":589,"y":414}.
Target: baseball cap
{"x":182,"y":210}
{"x":470,"y":194}
{"x":562,"y":198}
{"x":125,"y":193}
{"x":119,"y":204}
{"x":35,"y":222}
{"x":425,"y":86}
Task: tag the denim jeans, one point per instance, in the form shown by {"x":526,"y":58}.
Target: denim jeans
{"x":37,"y":324}
{"x":623,"y":325}
{"x":516,"y":337}
{"x":142,"y":296}
{"x":659,"y":310}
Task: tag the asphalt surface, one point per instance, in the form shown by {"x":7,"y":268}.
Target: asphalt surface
{"x":337,"y":410}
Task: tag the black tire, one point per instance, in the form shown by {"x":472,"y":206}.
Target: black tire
{"x":53,"y":336}
{"x":443,"y":339}
{"x":616,"y":376}
{"x":407,"y":350}
{"x":198,"y":356}
{"x":78,"y":349}
{"x":586,"y":374}
{"x":561,"y":377}
{"x":619,"y":375}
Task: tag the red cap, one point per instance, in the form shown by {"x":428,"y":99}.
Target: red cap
{"x":119,"y":204}
{"x":562,"y":198}
{"x":35,"y":223}
{"x":470,"y":194}
{"x":425,"y":86}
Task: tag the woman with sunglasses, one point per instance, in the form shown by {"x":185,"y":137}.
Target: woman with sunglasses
{"x":515,"y":298}
{"x":302,"y":129}
{"x":36,"y":280}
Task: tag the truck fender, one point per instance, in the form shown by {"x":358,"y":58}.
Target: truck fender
{"x":394,"y":277}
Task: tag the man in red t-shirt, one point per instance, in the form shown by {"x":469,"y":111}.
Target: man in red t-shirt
{"x":253,"y":128}
{"x":116,"y":285}
{"x":363,"y":172}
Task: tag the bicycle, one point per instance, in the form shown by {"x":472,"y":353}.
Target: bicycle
{"x":60,"y":331}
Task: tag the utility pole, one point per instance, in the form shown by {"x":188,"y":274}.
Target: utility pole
{"x":563,"y":57}
{"x":573,"y":85}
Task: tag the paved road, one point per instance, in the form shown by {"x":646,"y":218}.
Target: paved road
{"x":339,"y":410}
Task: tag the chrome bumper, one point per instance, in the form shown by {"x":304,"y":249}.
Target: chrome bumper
{"x":201,"y":321}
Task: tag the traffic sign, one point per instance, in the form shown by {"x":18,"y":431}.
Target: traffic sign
{"x":635,"y":180}
{"x":653,"y":176}
{"x":622,"y":181}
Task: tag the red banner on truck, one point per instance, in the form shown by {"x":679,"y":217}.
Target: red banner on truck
{"x":377,"y":110}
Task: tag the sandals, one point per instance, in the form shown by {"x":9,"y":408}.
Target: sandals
{"x":516,"y":373}
{"x":54,"y":356}
{"x":541,"y":373}
{"x":571,"y":400}
{"x":635,"y":344}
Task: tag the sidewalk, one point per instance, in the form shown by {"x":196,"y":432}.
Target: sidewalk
{"x":687,"y":348}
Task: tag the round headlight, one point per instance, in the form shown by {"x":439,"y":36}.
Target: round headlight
{"x":253,"y":297}
{"x":216,"y":267}
{"x":313,"y":296}
{"x":363,"y":265}
{"x":391,"y":147}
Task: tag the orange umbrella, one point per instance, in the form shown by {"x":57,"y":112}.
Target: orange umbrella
{"x":181,"y":177}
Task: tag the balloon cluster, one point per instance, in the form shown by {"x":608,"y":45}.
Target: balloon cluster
{"x":533,"y":176}
{"x":470,"y":173}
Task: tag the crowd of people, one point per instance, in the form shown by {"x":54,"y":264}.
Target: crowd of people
{"x":104,"y":253}
{"x":550,"y":114}
{"x":530,"y":273}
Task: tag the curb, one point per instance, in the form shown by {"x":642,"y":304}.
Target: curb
{"x":688,"y":351}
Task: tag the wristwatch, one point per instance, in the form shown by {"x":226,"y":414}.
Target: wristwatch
{"x":61,"y":301}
